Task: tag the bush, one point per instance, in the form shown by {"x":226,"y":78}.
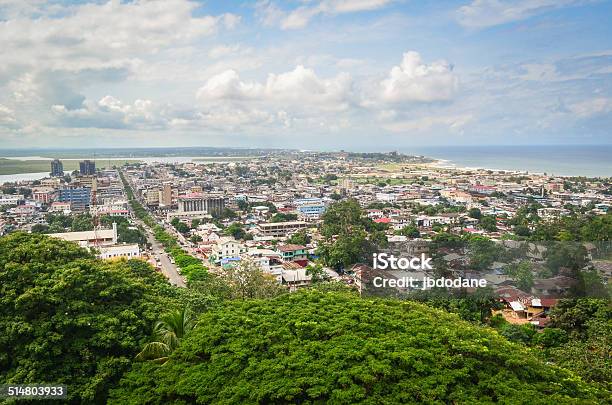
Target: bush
{"x":318,"y":347}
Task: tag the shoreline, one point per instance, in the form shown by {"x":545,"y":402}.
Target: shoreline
{"x":448,"y":165}
{"x":435,"y":164}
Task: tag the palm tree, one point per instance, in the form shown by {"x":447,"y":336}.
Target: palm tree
{"x":167,"y":335}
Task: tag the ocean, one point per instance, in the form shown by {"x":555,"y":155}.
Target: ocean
{"x":563,"y":160}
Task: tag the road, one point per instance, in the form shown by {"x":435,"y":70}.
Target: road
{"x":168,"y":269}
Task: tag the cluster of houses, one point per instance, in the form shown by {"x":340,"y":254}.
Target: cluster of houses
{"x":272,"y":198}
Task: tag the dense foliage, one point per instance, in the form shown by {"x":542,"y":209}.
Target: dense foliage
{"x":65,"y":223}
{"x":576,"y":227}
{"x":126,"y":233}
{"x":588,"y":351}
{"x":68,"y":318}
{"x":315,"y":346}
{"x":350,"y":236}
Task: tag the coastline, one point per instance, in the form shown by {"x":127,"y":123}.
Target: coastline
{"x":591,"y":161}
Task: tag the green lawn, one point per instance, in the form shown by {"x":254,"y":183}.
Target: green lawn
{"x":13,"y":166}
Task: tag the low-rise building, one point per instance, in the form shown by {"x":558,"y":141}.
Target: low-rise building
{"x":226,"y":248}
{"x":90,"y":238}
{"x":129,"y":251}
{"x":281,"y":229}
{"x":293,"y":253}
{"x":11,"y":199}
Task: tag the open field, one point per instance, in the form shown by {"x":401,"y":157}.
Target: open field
{"x":14,"y":166}
{"x":221,"y":159}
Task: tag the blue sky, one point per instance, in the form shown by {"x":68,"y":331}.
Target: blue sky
{"x":313,"y":74}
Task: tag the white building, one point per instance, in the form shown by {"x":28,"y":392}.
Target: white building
{"x":386,"y":197}
{"x":227,"y":248}
{"x":10,"y":199}
{"x":90,"y":238}
{"x":129,"y":251}
{"x":280,"y":229}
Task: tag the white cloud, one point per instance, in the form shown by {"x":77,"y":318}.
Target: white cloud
{"x":349,"y":6}
{"x":7,"y":116}
{"x":414,"y":80}
{"x":91,"y":35}
{"x":592,"y":107}
{"x":228,"y":86}
{"x":452,"y":122}
{"x":270,"y":14}
{"x":487,"y":13}
{"x":221,"y":51}
{"x":110,"y":112}
{"x":300,"y":17}
{"x":301,"y":88}
{"x":231,"y":21}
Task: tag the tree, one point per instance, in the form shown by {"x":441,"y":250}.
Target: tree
{"x":341,"y":218}
{"x":519,"y":333}
{"x":409,"y":231}
{"x":483,"y":252}
{"x":167,"y":335}
{"x":522,"y":273}
{"x":588,"y":350}
{"x":235,"y":230}
{"x":522,"y":230}
{"x":40,"y":228}
{"x":333,"y":347}
{"x":68,"y":318}
{"x":346,"y":250}
{"x":195,"y":238}
{"x":474,"y":213}
{"x":243,"y":205}
{"x":572,"y":315}
{"x":572,"y":256}
{"x":317,"y":273}
{"x":350,"y":237}
{"x":281,"y":217}
{"x":182,"y":228}
{"x":228,"y":214}
{"x":243,"y":281}
{"x":299,"y":238}
{"x":488,"y":223}
{"x":550,"y":337}
{"x":82,"y":222}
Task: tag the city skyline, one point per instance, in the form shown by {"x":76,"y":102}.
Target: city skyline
{"x":307,"y":75}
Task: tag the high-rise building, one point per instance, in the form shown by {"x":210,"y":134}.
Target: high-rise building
{"x":152,"y":197}
{"x":87,"y":168}
{"x":79,"y":197}
{"x":165,"y":195}
{"x":214,"y":205}
{"x":57,"y":168}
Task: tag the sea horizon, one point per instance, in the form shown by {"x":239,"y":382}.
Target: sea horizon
{"x":559,"y":160}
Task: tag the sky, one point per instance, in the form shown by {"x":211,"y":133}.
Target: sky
{"x":307,"y":74}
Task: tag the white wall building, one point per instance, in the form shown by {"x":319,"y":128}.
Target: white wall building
{"x":227,"y":248}
{"x":129,"y":251}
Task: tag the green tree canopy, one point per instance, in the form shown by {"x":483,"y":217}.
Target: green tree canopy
{"x":350,"y":237}
{"x":67,"y":318}
{"x":317,"y":347}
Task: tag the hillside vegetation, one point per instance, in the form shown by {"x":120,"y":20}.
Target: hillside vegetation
{"x":315,"y":347}
{"x":69,"y":318}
